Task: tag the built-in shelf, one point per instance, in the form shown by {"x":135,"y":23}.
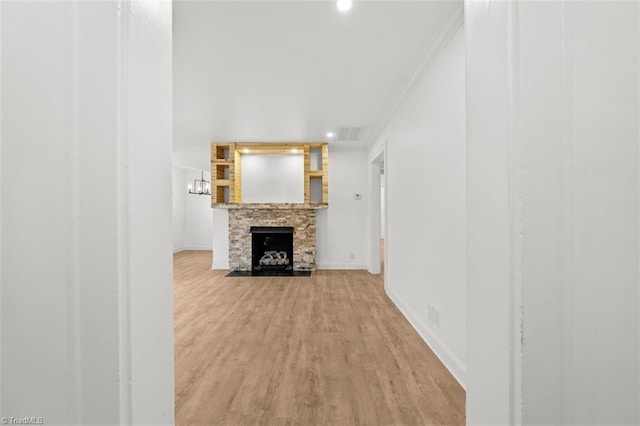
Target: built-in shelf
{"x":226,"y":176}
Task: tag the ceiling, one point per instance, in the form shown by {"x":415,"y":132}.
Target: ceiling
{"x":294,"y":70}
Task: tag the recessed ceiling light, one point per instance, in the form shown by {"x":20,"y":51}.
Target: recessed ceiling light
{"x":330,"y":134}
{"x":344,"y":5}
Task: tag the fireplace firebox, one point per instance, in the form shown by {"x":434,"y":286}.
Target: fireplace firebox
{"x":272,"y":250}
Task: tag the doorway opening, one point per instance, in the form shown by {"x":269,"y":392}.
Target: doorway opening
{"x":382,"y":218}
{"x":378,"y":236}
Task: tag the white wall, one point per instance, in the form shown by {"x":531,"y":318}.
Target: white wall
{"x":580,"y":212}
{"x":341,"y":230}
{"x":86,"y":278}
{"x":197,"y":214}
{"x":490,"y":365}
{"x":178,"y":221}
{"x":220,"y":238}
{"x":192,"y":213}
{"x":272,"y":178}
{"x":199,"y":159}
{"x":553,"y":111}
{"x":425,"y":195}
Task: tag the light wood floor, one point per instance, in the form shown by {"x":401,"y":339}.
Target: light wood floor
{"x":327,"y":350}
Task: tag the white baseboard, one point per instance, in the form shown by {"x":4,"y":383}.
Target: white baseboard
{"x":193,"y":248}
{"x":333,"y":266}
{"x":213,"y":267}
{"x":450,"y":361}
{"x":177,"y":250}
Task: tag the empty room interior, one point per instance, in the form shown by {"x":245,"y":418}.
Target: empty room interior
{"x":350,"y":212}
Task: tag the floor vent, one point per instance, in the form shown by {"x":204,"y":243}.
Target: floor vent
{"x":349,"y":134}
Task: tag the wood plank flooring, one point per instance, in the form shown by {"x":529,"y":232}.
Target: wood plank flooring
{"x":331,"y":349}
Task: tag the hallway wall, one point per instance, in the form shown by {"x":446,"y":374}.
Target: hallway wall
{"x":553,"y":249}
{"x":425,"y":195}
{"x":86,"y":285}
{"x":579,"y":183}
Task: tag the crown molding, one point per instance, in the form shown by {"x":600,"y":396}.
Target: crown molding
{"x":429,"y":57}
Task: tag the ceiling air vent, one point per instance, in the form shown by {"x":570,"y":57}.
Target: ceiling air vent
{"x":349,"y":134}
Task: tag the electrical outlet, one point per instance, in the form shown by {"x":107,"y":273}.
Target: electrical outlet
{"x":352,"y":256}
{"x":433,"y":314}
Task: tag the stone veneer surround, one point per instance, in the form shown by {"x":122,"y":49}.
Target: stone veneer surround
{"x":301,"y":216}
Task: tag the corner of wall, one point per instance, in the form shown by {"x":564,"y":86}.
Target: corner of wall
{"x":456,"y":367}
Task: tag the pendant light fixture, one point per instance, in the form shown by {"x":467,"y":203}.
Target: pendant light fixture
{"x":200,"y":187}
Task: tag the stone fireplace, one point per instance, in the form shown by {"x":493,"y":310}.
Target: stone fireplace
{"x":301,"y":218}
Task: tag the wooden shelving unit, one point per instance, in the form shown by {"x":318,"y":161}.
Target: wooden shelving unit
{"x":226,"y":173}
{"x":316,"y":177}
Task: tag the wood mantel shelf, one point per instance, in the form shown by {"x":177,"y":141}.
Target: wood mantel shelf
{"x":271,"y":206}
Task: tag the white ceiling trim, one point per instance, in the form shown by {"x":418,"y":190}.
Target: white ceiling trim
{"x":429,"y":57}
